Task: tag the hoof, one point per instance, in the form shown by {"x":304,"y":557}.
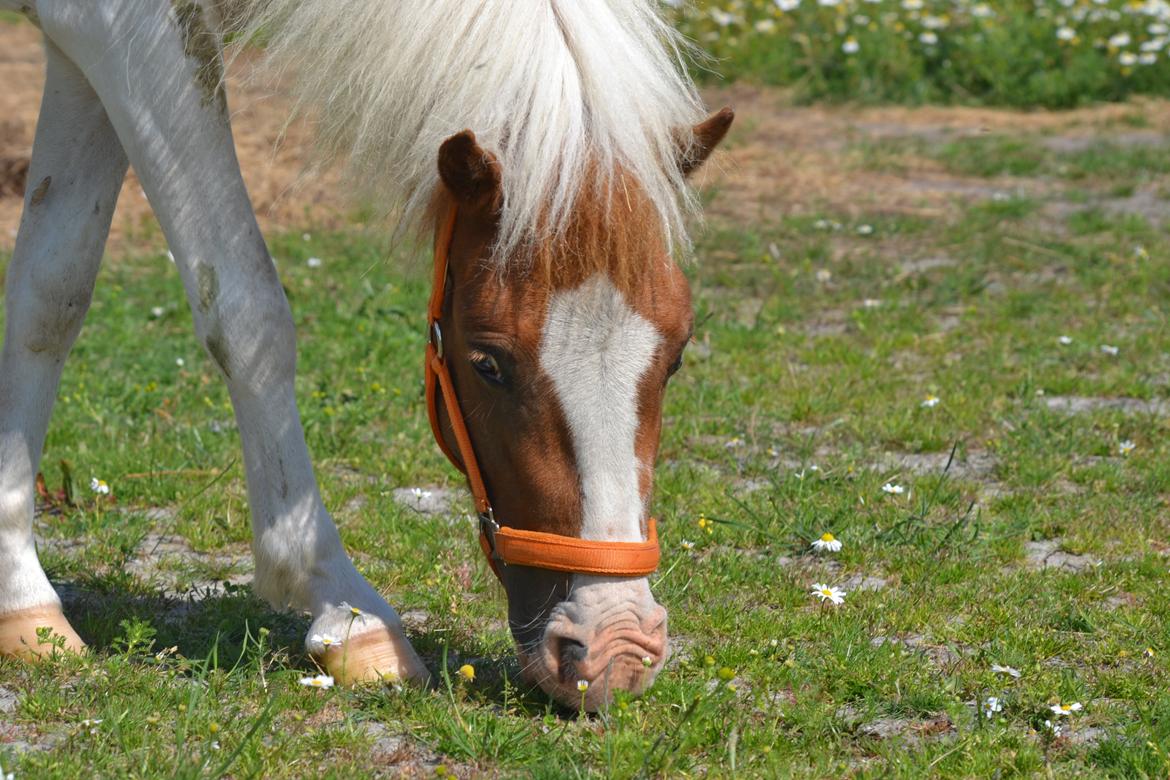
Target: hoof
{"x":377,"y":655}
{"x":18,"y":634}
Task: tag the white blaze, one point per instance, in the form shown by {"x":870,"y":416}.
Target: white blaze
{"x":596,"y":349}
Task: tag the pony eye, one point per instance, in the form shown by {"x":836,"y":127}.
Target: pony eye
{"x":675,"y":366}
{"x":487,"y":367}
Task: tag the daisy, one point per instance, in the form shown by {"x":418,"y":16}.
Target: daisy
{"x":1065,"y":340}
{"x":1126,"y":447}
{"x":1127,"y":59}
{"x":828,"y":593}
{"x":317,"y":681}
{"x":930,"y":402}
{"x":1065,"y":709}
{"x":1008,"y":670}
{"x":582,"y":685}
{"x":787,"y":5}
{"x":865,"y":230}
{"x":1109,"y":349}
{"x":1119,"y":40}
{"x":647,"y":661}
{"x":1055,"y":728}
{"x":928,"y":38}
{"x":992,"y":706}
{"x":827,"y":542}
{"x":1066,"y":34}
{"x":319,"y":643}
{"x":892,"y":489}
{"x":99,"y":486}
{"x":157,"y":311}
{"x":686,"y":544}
{"x":313,"y":262}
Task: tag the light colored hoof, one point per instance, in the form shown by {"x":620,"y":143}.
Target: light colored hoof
{"x":377,"y":655}
{"x":18,"y":634}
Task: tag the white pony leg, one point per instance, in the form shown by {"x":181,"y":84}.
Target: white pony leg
{"x":74,"y":178}
{"x":157,"y":68}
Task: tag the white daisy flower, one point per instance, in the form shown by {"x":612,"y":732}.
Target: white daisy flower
{"x":865,"y":230}
{"x":827,"y":542}
{"x":930,"y":402}
{"x":1065,"y":33}
{"x":687,"y":544}
{"x":1119,"y":40}
{"x":319,"y":643}
{"x":1127,"y":59}
{"x":582,"y":685}
{"x":982,"y":11}
{"x":1158,"y":28}
{"x":1109,"y":349}
{"x":305,"y":236}
{"x":928,"y":38}
{"x":419,"y":494}
{"x":892,"y":489}
{"x":992,"y":706}
{"x":1055,"y":728}
{"x":824,"y":275}
{"x":850,"y":46}
{"x":647,"y":661}
{"x":157,"y":311}
{"x":1065,"y":340}
{"x":317,"y":681}
{"x":1061,"y":710}
{"x":180,"y":362}
{"x":828,"y":593}
{"x":765,"y":26}
{"x":1147,"y":58}
{"x":787,"y":5}
{"x":313,"y":262}
{"x":1126,"y":447}
{"x":1008,"y":670}
{"x":99,"y":486}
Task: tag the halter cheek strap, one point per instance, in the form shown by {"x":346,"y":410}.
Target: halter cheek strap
{"x":501,"y":544}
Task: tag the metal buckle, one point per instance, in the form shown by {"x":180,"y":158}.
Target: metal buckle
{"x":488,"y":526}
{"x":437,"y":339}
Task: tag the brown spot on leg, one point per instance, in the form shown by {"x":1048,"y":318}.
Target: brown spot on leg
{"x":207,"y":285}
{"x":41,"y":191}
{"x":18,"y":633}
{"x":202,"y":45}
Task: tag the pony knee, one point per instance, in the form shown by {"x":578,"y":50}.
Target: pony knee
{"x":247,"y":330}
{"x":46,"y":313}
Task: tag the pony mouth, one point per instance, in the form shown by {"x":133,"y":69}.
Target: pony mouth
{"x":589,"y":680}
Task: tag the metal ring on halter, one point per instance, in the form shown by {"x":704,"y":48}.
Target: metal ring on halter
{"x":437,"y":339}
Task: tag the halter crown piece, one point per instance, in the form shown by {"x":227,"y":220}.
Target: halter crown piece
{"x":501,"y":544}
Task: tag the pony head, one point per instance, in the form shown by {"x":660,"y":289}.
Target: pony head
{"x":560,"y":360}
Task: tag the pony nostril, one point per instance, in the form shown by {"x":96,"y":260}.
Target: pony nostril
{"x":571,"y":654}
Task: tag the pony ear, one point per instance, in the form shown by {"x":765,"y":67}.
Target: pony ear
{"x":705,"y":136}
{"x":470,"y":172}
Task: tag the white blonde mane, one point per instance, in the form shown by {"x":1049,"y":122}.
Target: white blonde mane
{"x":563,"y":92}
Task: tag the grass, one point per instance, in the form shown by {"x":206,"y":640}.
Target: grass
{"x":817,"y":342}
{"x":1026,"y":53}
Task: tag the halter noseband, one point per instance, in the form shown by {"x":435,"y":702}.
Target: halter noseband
{"x":501,"y":544}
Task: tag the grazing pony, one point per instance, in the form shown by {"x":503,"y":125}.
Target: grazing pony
{"x":557,"y":318}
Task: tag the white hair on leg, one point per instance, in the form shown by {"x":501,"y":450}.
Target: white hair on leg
{"x":559,"y":90}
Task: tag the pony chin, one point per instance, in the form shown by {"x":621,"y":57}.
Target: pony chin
{"x":610,"y":634}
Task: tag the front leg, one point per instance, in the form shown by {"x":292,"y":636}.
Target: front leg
{"x":166,"y":102}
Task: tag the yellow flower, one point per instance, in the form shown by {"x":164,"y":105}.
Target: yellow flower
{"x":705,"y":524}
{"x":582,"y":685}
{"x":467,"y":672}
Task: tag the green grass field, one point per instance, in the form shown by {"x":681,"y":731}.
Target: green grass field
{"x":1032,"y":531}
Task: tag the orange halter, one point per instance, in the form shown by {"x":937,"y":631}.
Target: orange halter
{"x":501,"y":544}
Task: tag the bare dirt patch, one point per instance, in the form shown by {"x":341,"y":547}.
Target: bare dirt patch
{"x":1046,"y":554}
{"x":273,"y":156}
